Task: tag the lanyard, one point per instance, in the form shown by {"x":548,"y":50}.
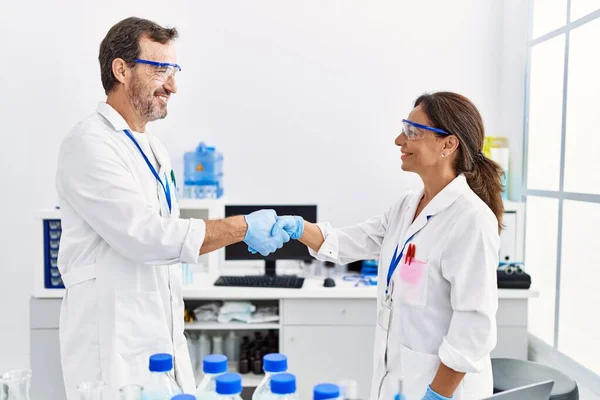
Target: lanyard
{"x":167,"y":189}
{"x":396,"y":259}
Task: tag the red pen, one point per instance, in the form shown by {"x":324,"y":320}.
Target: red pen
{"x":409,"y":254}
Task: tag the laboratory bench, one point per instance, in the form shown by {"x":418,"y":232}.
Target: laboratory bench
{"x":314,"y":321}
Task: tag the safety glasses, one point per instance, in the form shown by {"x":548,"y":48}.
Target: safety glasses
{"x":414,"y":131}
{"x":159,"y":70}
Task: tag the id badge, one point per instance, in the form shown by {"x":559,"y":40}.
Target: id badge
{"x":385,"y":313}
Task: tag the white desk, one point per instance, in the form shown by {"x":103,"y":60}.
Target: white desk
{"x":327,"y":333}
{"x":339,"y":322}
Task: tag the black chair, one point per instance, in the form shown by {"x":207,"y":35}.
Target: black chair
{"x":512,"y":373}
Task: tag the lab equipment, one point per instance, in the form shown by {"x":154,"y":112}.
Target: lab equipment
{"x":14,"y":385}
{"x":326,"y":391}
{"x":160,"y":385}
{"x":232,"y":346}
{"x":93,"y":390}
{"x":212,"y":366}
{"x":203,"y":173}
{"x":535,"y":391}
{"x":52,"y":234}
{"x":131,"y":392}
{"x":283,"y":387}
{"x":229,"y":387}
{"x":329,"y":282}
{"x":272,"y":364}
{"x":217,"y":345}
{"x":184,"y":397}
{"x":293,"y":250}
{"x":292,"y":224}
{"x":361,"y":280}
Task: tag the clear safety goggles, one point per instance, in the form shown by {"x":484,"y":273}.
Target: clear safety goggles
{"x":414,"y":131}
{"x":159,"y":70}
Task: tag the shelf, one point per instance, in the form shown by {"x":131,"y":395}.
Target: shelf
{"x":237,"y":326}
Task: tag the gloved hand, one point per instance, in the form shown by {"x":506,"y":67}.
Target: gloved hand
{"x":431,"y":395}
{"x":258,"y":236}
{"x":292,"y":224}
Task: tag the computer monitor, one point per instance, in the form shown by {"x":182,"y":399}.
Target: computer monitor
{"x":292,"y":250}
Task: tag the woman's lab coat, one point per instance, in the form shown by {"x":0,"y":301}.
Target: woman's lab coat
{"x":449,"y":314}
{"x":119,"y":258}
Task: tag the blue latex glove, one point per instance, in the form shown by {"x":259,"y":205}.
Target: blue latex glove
{"x":292,"y":224}
{"x":258,"y":236}
{"x":431,"y":395}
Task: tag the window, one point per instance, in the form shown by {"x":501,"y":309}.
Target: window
{"x":562,"y":178}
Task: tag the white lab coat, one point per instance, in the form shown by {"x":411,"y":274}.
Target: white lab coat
{"x":449,"y":317}
{"x":119,"y":258}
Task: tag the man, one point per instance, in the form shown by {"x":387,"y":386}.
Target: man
{"x":122,"y":240}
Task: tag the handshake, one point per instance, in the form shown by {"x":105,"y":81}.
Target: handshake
{"x":267,"y":232}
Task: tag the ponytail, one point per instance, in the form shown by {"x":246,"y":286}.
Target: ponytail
{"x":485,"y":179}
{"x":456,"y":114}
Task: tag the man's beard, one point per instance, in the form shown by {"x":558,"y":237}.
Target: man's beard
{"x":144,"y":104}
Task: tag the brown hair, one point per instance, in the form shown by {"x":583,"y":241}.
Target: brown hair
{"x":459,"y":116}
{"x":122,"y":41}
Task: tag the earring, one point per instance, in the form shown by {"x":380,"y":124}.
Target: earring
{"x":443,"y":154}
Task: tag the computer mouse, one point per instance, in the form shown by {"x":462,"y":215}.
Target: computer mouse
{"x":329,"y":282}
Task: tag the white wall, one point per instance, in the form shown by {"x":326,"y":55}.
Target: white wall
{"x":304,"y":99}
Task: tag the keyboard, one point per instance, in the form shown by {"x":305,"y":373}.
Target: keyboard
{"x":263,"y":281}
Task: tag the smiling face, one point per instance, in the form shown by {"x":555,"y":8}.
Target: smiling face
{"x":149,"y":88}
{"x":424,"y":153}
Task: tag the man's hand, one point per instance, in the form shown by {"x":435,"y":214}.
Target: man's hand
{"x":258,"y":236}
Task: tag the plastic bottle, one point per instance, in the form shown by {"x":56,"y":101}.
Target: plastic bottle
{"x":217,"y":345}
{"x":326,"y":391}
{"x":272,"y":364}
{"x":131,"y":392}
{"x":229,"y":387}
{"x":283,"y":387}
{"x":184,"y":397}
{"x":203,"y":350}
{"x":212,"y":366}
{"x":203,"y":173}
{"x":160,"y":385}
{"x":232,"y":347}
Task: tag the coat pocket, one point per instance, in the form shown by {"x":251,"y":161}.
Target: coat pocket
{"x":417,"y":370}
{"x":140,"y":324}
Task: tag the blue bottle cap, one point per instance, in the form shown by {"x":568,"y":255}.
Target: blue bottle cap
{"x":283,"y":384}
{"x":161,"y":362}
{"x":184,"y":397}
{"x":326,"y":391}
{"x":214,"y":364}
{"x":400,"y":396}
{"x":229,"y":384}
{"x":275,"y":362}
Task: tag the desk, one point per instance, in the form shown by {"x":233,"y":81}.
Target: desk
{"x":338,"y":322}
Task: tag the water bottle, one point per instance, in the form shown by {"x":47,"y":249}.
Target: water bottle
{"x":14,"y":385}
{"x":326,"y":391}
{"x":131,"y":392}
{"x":212,"y":366}
{"x":203,"y":173}
{"x":161,"y":385}
{"x":229,"y":387}
{"x":283,"y":387}
{"x":272,"y":363}
{"x":232,"y":347}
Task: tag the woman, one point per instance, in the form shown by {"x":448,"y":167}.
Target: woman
{"x":438,"y":253}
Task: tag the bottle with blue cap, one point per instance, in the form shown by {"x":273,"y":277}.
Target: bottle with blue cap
{"x":326,"y":391}
{"x":229,"y":386}
{"x":283,"y":387}
{"x":212,"y":366}
{"x":273,"y":363}
{"x":161,"y":385}
{"x":184,"y":397}
{"x":203,"y":173}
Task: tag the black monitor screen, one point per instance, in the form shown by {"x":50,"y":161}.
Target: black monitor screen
{"x":292,"y":250}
